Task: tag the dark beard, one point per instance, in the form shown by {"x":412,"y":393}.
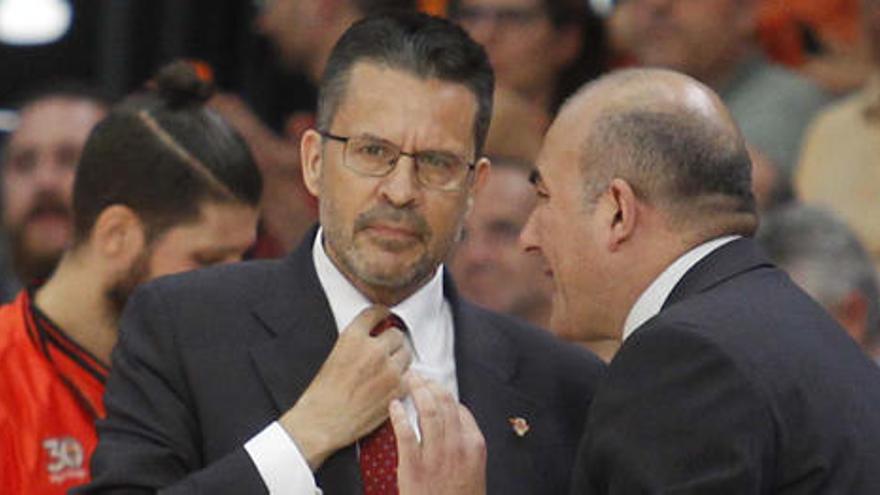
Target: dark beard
{"x":139,"y":272}
{"x":33,"y":266}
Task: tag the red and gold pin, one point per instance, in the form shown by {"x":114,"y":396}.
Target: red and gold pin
{"x":520,"y":425}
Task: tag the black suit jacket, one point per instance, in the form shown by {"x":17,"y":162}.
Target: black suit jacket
{"x":742,"y":384}
{"x":207,"y":359}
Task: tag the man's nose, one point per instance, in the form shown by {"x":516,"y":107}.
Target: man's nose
{"x":528,"y":236}
{"x":477,"y":250}
{"x":49,"y":174}
{"x":401,"y":187}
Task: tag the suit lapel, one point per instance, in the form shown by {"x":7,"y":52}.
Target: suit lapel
{"x":298,"y":316}
{"x":725,"y":262}
{"x":486,"y":367}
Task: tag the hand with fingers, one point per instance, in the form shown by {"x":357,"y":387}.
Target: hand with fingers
{"x":451,"y":457}
{"x":349,"y":397}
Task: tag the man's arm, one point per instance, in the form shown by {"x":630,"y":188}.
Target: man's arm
{"x":149,"y":441}
{"x":676,"y":415}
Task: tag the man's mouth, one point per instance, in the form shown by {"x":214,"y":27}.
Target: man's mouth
{"x":48,"y":219}
{"x":48,"y":215}
{"x":394,"y":231}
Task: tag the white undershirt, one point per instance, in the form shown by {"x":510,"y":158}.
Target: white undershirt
{"x":651,"y":301}
{"x":429,"y":320}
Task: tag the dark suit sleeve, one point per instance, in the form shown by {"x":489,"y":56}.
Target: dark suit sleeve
{"x":676,"y":415}
{"x":150,"y":441}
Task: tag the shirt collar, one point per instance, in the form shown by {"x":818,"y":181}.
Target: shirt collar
{"x":346,"y":302}
{"x":651,"y":301}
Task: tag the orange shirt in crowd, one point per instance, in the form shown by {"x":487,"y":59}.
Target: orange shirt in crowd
{"x":435,"y":7}
{"x":832,"y":21}
{"x":50,"y":396}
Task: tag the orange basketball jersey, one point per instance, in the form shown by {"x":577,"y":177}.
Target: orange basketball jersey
{"x":50,"y":395}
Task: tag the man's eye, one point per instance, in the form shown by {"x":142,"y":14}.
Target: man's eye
{"x":438,"y":161}
{"x":23,"y":164}
{"x":374,"y":150}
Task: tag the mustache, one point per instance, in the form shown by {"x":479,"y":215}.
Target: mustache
{"x":47,"y":203}
{"x":385,"y":214}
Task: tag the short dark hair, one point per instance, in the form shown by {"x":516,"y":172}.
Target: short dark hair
{"x":675,"y":158}
{"x":162,"y":154}
{"x":426,"y":46}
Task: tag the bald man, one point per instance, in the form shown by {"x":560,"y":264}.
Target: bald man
{"x":729,"y":378}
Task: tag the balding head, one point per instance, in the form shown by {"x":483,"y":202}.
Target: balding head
{"x":672,"y":139}
{"x":638,"y":168}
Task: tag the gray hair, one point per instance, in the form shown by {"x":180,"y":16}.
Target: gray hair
{"x":696,"y":171}
{"x":825,"y":254}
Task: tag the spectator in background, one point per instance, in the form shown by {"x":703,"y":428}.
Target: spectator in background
{"x":770,"y":186}
{"x":840,"y":160}
{"x":542,"y":49}
{"x":286,"y":209}
{"x":819,"y":38}
{"x":715,"y":42}
{"x":304,"y":31}
{"x":38,"y":165}
{"x":826,"y":259}
{"x":163,"y":186}
{"x":489,"y":266}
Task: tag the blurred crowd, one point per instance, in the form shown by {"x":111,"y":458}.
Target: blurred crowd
{"x":800,"y":78}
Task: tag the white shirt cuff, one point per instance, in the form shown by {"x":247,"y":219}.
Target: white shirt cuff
{"x":281,"y":465}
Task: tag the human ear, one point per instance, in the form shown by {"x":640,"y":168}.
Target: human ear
{"x":623,"y":217}
{"x":311,"y":157}
{"x":482,"y":169}
{"x":118,"y":235}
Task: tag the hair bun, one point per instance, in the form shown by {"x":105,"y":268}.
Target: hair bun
{"x":184,"y":83}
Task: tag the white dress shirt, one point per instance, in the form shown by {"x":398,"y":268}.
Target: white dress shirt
{"x":428,"y":317}
{"x":651,"y":301}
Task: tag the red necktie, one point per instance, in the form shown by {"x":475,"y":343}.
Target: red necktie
{"x":378,"y":450}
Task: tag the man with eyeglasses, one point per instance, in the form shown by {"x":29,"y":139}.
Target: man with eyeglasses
{"x":280,"y":376}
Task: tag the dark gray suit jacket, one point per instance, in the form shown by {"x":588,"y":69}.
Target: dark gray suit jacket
{"x":741,"y":385}
{"x":207,"y":359}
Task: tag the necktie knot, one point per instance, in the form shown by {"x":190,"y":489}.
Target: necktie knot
{"x":392,"y":320}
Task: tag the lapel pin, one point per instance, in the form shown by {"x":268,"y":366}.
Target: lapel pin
{"x":520,"y":425}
